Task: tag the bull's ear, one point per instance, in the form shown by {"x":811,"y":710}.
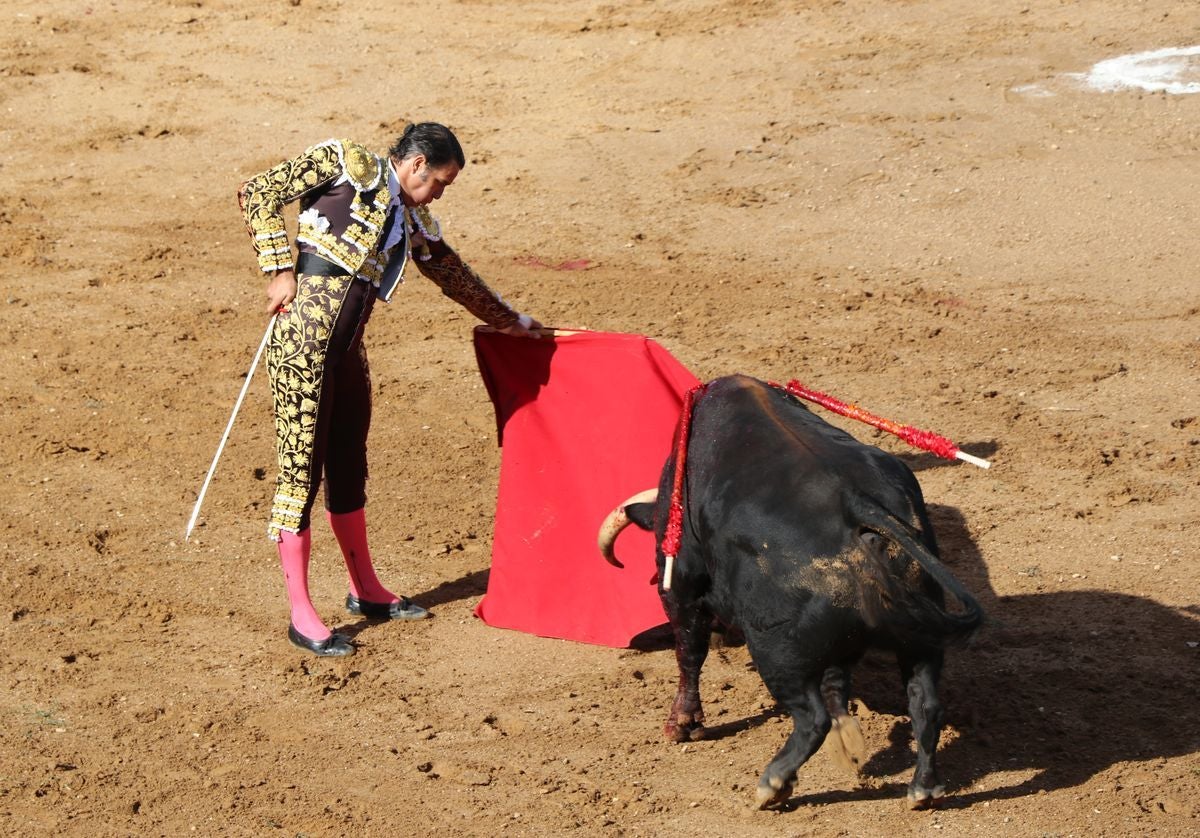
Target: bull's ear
{"x":641,"y":514}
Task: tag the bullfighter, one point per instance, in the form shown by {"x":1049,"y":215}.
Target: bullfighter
{"x":362,"y":218}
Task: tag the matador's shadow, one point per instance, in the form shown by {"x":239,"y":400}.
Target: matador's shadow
{"x":464,"y":587}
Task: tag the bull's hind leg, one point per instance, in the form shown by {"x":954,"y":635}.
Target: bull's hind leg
{"x":920,"y":678}
{"x":797,"y":689}
{"x":846,"y":744}
{"x":692,"y":623}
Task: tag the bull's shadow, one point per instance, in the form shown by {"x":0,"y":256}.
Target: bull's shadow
{"x":1064,"y":684}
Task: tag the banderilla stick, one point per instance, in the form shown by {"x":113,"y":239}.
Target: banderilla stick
{"x":224,"y":437}
{"x":927,"y":440}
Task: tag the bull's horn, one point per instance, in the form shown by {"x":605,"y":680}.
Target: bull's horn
{"x":616,"y":521}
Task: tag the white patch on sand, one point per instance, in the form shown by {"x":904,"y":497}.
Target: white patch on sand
{"x":1171,"y":70}
{"x":1034,"y":90}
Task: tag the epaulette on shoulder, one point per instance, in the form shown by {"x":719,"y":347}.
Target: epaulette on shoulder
{"x":429,"y":226}
{"x":364,"y":168}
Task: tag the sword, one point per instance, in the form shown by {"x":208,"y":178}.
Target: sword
{"x":236,"y":407}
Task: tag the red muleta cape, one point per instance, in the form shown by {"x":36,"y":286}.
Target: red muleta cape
{"x":585,"y":420}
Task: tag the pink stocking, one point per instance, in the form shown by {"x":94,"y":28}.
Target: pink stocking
{"x":294,"y":550}
{"x":351,"y":531}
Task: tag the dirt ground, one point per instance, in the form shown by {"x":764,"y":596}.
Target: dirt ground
{"x":912,"y":205}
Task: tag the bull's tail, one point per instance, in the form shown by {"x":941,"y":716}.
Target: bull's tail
{"x":893,"y":601}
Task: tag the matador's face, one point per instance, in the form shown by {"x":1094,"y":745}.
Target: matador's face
{"x":422,"y":184}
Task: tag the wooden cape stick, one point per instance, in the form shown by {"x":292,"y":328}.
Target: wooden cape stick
{"x":544,"y":331}
{"x":236,"y":407}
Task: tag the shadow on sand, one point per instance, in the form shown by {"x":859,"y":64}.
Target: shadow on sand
{"x":1064,"y":684}
{"x":1061,"y":684}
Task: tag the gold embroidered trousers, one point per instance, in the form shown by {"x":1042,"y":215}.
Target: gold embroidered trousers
{"x":321,"y":385}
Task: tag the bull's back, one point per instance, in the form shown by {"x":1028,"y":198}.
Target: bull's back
{"x":767,"y":496}
{"x":754,"y":442}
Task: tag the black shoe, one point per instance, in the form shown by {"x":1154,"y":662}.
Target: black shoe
{"x":405,"y":609}
{"x":333,"y":646}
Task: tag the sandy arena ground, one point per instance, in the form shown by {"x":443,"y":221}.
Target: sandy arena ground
{"x":914,"y":205}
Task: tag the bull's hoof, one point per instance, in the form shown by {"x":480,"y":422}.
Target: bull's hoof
{"x":685,"y":726}
{"x":684,"y":731}
{"x":846,"y":744}
{"x":923,"y":798}
{"x":772,"y":791}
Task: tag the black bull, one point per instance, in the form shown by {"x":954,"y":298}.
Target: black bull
{"x":817,"y":547}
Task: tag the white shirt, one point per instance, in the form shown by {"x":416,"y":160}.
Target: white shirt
{"x":396,"y":206}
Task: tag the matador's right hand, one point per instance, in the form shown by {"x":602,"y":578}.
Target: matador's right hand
{"x":281,"y":290}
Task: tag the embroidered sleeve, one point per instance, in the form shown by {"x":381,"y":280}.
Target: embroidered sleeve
{"x":461,"y":284}
{"x":263,"y":196}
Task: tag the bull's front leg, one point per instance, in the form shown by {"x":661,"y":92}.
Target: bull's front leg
{"x":691,"y":623}
{"x":920,"y":679}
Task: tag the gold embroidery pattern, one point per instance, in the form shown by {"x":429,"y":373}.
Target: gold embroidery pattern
{"x":286,"y":514}
{"x":262,"y":199}
{"x":353,"y":259}
{"x":364,"y":169}
{"x":295,"y":361}
{"x":353,"y":249}
{"x":423,"y":230}
{"x":463,"y":285}
{"x":430,"y":227}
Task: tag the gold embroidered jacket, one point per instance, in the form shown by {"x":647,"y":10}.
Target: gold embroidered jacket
{"x":344,"y":197}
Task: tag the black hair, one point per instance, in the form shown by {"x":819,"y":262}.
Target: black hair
{"x":432,"y":139}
